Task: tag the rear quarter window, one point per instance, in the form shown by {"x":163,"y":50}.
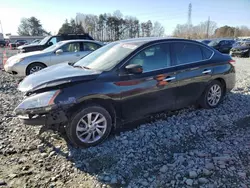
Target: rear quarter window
{"x":207,"y":53}
{"x":186,"y":53}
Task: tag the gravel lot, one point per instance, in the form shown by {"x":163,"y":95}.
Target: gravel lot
{"x":187,"y":148}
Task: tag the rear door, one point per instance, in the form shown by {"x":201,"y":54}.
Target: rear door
{"x":193,"y":71}
{"x":71,"y":53}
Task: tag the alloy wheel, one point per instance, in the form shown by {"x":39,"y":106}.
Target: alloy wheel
{"x":35,"y":69}
{"x":214,"y":95}
{"x":91,"y":127}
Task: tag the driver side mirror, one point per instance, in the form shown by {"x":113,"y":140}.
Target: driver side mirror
{"x":134,"y":69}
{"x":59,"y":51}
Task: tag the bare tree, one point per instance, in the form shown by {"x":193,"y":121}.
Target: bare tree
{"x":111,"y":27}
{"x":158,"y":30}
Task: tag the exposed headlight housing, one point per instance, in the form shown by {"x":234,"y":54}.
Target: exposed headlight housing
{"x":44,"y":101}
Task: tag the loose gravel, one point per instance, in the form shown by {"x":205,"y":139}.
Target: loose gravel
{"x":187,"y":148}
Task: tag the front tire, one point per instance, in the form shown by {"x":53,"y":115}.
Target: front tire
{"x":89,"y":127}
{"x":34,"y":67}
{"x":213,"y":95}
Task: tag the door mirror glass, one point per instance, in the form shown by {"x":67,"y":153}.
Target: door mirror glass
{"x":134,"y":69}
{"x":59,"y":51}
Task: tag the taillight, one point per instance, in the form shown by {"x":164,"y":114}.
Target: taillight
{"x":232,"y":62}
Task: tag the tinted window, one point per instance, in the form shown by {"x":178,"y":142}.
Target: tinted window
{"x":89,"y":46}
{"x":71,"y":47}
{"x":187,"y":53}
{"x":153,"y":58}
{"x":206,"y":53}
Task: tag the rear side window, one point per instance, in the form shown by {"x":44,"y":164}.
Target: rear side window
{"x":187,"y":53}
{"x":206,"y":53}
{"x":89,"y":46}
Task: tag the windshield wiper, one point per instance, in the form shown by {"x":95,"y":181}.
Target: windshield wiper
{"x":82,"y":67}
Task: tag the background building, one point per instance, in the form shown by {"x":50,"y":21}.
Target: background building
{"x":29,"y":39}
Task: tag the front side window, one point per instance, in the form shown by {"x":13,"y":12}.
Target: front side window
{"x":222,"y":43}
{"x":153,"y":58}
{"x":187,"y":53}
{"x":71,"y":47}
{"x":89,"y":46}
{"x":53,"y":47}
{"x":53,"y":40}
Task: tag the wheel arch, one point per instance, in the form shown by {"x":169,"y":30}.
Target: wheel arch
{"x":223,"y":82}
{"x":32,"y":64}
{"x":107,"y":104}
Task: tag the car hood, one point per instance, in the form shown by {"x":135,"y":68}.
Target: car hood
{"x":56,"y":75}
{"x":241,"y":47}
{"x":25,"y":55}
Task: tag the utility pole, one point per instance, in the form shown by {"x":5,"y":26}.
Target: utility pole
{"x":208,"y":23}
{"x":189,"y":18}
{"x":1,"y":29}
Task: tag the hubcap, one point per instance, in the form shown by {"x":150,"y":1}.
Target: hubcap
{"x":35,"y":69}
{"x":91,"y":127}
{"x":214,"y":95}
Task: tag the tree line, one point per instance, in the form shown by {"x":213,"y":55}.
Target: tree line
{"x":209,"y":29}
{"x":112,"y":27}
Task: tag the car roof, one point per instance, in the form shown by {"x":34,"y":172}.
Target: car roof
{"x":144,"y":40}
{"x":81,"y":40}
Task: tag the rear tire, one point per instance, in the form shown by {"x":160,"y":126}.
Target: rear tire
{"x":89,"y":126}
{"x":34,"y":67}
{"x":213,"y":95}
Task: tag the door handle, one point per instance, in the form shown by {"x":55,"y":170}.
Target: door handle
{"x":206,"y":71}
{"x":169,"y":79}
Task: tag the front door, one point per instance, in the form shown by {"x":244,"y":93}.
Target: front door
{"x":153,"y":90}
{"x":71,"y":52}
{"x":193,"y":71}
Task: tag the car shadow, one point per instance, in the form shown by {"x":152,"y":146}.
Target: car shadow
{"x":99,"y":163}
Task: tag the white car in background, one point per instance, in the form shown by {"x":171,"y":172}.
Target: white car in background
{"x":70,"y":51}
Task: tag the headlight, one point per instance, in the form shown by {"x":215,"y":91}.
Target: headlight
{"x":19,"y":60}
{"x":15,"y":61}
{"x":40,"y":100}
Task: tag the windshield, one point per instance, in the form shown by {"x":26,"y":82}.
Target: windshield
{"x":107,"y":57}
{"x":53,"y":47}
{"x":44,"y":40}
{"x":213,"y":43}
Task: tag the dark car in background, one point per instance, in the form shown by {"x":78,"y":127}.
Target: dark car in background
{"x":17,"y":43}
{"x":205,"y":41}
{"x":51,"y":40}
{"x":241,"y":50}
{"x":222,"y":45}
{"x":125,"y":81}
{"x":2,"y":43}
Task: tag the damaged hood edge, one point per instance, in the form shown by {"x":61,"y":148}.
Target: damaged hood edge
{"x":56,"y":75}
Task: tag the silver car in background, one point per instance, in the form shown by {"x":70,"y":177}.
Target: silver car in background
{"x":70,"y":51}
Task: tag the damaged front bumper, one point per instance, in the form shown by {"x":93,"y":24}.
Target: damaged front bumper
{"x":56,"y":117}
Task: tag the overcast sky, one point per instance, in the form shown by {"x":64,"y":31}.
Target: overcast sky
{"x":52,"y":13}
